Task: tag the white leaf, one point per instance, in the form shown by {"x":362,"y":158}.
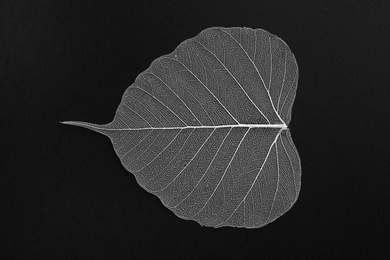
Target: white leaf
{"x":205,"y":128}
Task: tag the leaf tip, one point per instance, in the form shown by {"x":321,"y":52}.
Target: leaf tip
{"x":69,"y":122}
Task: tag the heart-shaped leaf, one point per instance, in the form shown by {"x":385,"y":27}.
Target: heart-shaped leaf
{"x":205,"y":128}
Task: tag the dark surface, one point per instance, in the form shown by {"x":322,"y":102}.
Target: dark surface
{"x":65,"y":194}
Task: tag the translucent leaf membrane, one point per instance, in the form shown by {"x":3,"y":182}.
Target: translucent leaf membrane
{"x":205,"y":128}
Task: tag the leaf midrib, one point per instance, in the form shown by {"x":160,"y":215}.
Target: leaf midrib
{"x":282,"y":126}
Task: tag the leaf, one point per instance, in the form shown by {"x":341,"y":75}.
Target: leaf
{"x":204,"y":128}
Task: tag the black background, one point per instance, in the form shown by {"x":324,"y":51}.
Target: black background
{"x":65,"y":194}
